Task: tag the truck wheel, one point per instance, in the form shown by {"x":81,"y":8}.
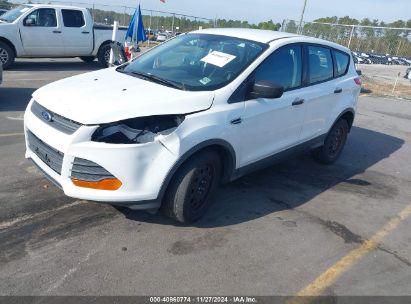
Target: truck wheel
{"x":104,"y":55}
{"x":88,"y":58}
{"x":6,"y":55}
{"x":188,"y":195}
{"x":333,"y":144}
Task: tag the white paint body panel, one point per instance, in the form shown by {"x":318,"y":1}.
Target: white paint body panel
{"x":107,"y":96}
{"x":269,"y":126}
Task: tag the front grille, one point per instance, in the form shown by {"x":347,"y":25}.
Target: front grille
{"x":54,"y":120}
{"x":88,"y":171}
{"x":50,"y":156}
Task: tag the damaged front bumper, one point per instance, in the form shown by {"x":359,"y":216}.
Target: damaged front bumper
{"x":140,"y":168}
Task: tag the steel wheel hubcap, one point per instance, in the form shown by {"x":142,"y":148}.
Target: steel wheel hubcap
{"x":200,"y":187}
{"x":336,"y":141}
{"x":4,"y":56}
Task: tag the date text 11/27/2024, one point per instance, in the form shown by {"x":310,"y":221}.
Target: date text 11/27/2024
{"x":239,"y":299}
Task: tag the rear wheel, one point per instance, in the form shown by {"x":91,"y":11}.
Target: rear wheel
{"x":88,"y":58}
{"x":333,"y":144}
{"x":6,"y":55}
{"x":104,"y":55}
{"x":188,"y":195}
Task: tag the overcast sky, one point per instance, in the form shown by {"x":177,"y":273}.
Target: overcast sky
{"x":263,"y":10}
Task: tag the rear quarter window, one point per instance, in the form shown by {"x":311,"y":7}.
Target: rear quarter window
{"x":341,"y":61}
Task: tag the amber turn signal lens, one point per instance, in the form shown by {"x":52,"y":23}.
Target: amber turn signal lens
{"x":105,"y":184}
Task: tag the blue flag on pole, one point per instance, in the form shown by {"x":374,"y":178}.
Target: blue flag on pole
{"x":136,"y":29}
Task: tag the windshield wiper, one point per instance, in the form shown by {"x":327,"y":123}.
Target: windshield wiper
{"x":170,"y":83}
{"x":157,"y":79}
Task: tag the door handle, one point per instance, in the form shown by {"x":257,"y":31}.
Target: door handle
{"x":337,"y":90}
{"x":57,"y":32}
{"x":85,"y":32}
{"x":236,"y":121}
{"x":298,"y":101}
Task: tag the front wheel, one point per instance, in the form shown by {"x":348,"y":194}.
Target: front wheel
{"x":6,"y":55}
{"x":333,"y":144}
{"x":188,"y":195}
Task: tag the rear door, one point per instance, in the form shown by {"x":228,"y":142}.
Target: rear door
{"x":78,"y":35}
{"x":42,"y":35}
{"x":269,"y":126}
{"x":321,"y":91}
{"x":344,"y":89}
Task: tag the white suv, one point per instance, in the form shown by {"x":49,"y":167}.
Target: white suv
{"x":204,"y":108}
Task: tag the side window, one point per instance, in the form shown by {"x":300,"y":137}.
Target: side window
{"x":44,"y":17}
{"x":283,"y":67}
{"x":342,"y":60}
{"x":320,"y":64}
{"x":73,"y":18}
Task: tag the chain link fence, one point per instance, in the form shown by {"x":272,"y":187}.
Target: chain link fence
{"x":155,"y":20}
{"x":368,"y":39}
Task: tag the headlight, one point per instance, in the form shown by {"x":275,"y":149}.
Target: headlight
{"x":137,"y":130}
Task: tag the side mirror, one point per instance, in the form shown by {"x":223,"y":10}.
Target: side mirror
{"x":266,"y":89}
{"x":29,"y":22}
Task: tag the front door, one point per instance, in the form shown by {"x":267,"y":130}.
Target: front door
{"x":41,"y":34}
{"x":272,"y":125}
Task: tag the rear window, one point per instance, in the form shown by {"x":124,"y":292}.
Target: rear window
{"x":73,"y":18}
{"x":320,"y":64}
{"x":342,"y":61}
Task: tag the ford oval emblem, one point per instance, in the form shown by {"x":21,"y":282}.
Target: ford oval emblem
{"x":46,"y":116}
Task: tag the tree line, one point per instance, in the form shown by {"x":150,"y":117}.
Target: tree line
{"x":183,"y":23}
{"x":366,"y":36}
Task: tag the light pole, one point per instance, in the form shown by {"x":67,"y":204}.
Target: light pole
{"x":300,"y":29}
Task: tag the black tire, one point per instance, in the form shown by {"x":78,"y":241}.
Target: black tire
{"x":189,"y":194}
{"x":7,"y":55}
{"x":334,"y":143}
{"x":104,"y":55}
{"x":88,"y":58}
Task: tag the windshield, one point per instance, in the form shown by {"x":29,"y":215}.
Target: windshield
{"x":196,"y":62}
{"x":12,"y":15}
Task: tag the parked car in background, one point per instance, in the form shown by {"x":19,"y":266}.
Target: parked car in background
{"x":39,"y":30}
{"x":150,"y":34}
{"x":207,"y":107}
{"x":400,"y":61}
{"x":1,"y":73}
{"x":372,"y":58}
{"x":161,"y":37}
{"x":408,"y":73}
{"x":2,"y":11}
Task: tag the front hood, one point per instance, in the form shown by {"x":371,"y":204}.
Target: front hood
{"x":5,"y":25}
{"x":108,"y":96}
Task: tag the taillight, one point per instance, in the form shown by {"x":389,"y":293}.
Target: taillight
{"x":358,"y":81}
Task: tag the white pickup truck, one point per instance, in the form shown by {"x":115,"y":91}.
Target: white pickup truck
{"x":53,"y":31}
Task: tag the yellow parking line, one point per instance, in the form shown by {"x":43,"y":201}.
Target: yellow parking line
{"x":11,"y":134}
{"x":327,"y":278}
